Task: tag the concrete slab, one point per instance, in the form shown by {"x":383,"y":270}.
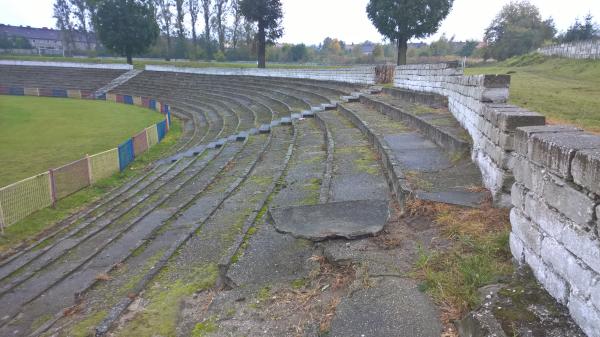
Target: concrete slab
{"x":265,"y":128}
{"x":349,"y":219}
{"x":241,"y":136}
{"x":393,"y":307}
{"x":416,"y":153}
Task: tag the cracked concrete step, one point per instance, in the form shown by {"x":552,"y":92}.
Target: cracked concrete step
{"x":426,"y":171}
{"x":356,"y":171}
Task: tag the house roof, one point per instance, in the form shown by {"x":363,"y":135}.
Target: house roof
{"x":39,"y":33}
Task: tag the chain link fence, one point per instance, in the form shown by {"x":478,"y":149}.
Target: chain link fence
{"x":71,"y":178}
{"x":104,"y":165}
{"x":25,"y":197}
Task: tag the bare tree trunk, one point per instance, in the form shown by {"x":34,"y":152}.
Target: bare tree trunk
{"x":206,"y":13}
{"x":402,"y":49}
{"x":262,"y":46}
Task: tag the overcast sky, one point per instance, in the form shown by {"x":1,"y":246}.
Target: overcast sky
{"x":310,"y":21}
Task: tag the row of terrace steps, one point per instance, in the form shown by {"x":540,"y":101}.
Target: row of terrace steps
{"x":116,"y":82}
{"x":39,"y":306}
{"x":57,"y":77}
{"x":424,"y":149}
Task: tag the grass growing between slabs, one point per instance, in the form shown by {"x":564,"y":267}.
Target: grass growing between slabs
{"x":475,"y":254}
{"x":565,"y":91}
{"x":27,"y":230}
{"x":39,"y":133}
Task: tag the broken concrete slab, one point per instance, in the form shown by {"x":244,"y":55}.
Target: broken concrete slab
{"x":417,"y":153}
{"x":394,"y":307}
{"x":348,"y":219}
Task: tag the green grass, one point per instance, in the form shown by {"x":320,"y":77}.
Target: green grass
{"x":39,"y":133}
{"x":26,"y":230}
{"x":140,"y":64}
{"x":565,"y":91}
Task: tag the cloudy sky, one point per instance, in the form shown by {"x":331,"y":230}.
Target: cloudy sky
{"x":310,"y":21}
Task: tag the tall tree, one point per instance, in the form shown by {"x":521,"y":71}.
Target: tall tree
{"x":402,"y":20}
{"x":180,"y":26}
{"x":236,"y":24}
{"x":80,"y":10}
{"x":127,"y":27}
{"x":62,"y":14}
{"x":194,"y":10}
{"x":219,"y":18}
{"x":165,"y":19}
{"x":518,"y":29}
{"x":206,"y":13}
{"x":268,"y":16}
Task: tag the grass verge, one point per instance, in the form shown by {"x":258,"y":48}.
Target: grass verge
{"x":477,"y":254}
{"x":34,"y":226}
{"x":565,"y":91}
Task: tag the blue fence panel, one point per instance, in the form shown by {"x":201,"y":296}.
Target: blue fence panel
{"x":16,"y":91}
{"x":168,"y":108}
{"x":59,"y":93}
{"x":126,"y":154}
{"x":127,"y":99}
{"x":162,"y":130}
{"x":152,"y":104}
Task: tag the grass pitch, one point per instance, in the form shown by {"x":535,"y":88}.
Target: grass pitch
{"x":39,"y":133}
{"x":565,"y":91}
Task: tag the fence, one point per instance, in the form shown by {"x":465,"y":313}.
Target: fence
{"x":574,"y":50}
{"x":27,"y":196}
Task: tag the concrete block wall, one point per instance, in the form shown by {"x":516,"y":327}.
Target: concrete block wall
{"x":575,"y":50}
{"x":66,"y":65}
{"x":556,"y":199}
{"x":358,"y":75}
{"x":479,"y":104}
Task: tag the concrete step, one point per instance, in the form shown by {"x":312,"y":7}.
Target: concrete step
{"x":415,"y":166}
{"x":437,"y":124}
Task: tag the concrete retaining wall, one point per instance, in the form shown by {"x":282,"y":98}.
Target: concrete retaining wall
{"x":575,"y":50}
{"x":359,"y":75}
{"x":66,"y":65}
{"x":556,"y":201}
{"x":479,"y":104}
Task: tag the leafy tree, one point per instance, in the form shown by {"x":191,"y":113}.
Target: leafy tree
{"x":62,"y":14}
{"x":127,"y":27}
{"x":206,"y":13}
{"x":219,"y":21}
{"x":581,"y":31}
{"x":165,"y":19}
{"x":402,"y":20}
{"x":518,"y":29}
{"x":180,"y":28}
{"x":194,"y":10}
{"x":268,"y":15}
{"x":378,"y":51}
{"x":81,"y":12}
{"x":469,"y":48}
{"x":298,"y":53}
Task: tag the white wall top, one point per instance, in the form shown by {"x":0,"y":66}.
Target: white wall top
{"x":66,"y":64}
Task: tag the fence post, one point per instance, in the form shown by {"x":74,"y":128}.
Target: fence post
{"x":89,"y":167}
{"x":52,"y":187}
{"x":2,"y":221}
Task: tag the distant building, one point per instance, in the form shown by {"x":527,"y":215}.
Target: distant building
{"x":48,"y":41}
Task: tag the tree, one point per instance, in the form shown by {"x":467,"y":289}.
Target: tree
{"x":62,"y":14}
{"x":194,"y":10}
{"x":581,"y":31}
{"x":80,"y":10}
{"x":179,"y":25}
{"x":378,"y":52}
{"x":298,"y":53}
{"x":402,"y":20}
{"x":518,"y":29}
{"x":237,"y":23}
{"x":268,"y":16}
{"x":206,"y":7}
{"x":127,"y":27}
{"x":220,"y":11}
{"x":469,"y":48}
{"x":164,"y":19}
